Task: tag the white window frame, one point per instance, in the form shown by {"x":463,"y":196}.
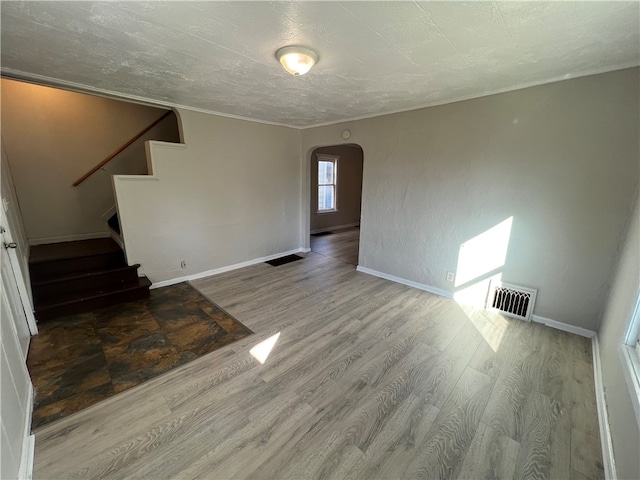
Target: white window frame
{"x":630,"y":355}
{"x":327,"y":158}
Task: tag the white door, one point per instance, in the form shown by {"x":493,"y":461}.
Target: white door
{"x":13,"y":304}
{"x":13,"y":282}
{"x":16,"y":446}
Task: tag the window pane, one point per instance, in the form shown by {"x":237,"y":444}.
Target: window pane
{"x":326,"y":198}
{"x":325,"y":173}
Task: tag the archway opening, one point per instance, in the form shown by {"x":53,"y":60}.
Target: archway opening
{"x":336,"y":201}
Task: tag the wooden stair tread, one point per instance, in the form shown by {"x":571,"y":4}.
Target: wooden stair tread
{"x":84,"y":274}
{"x":143,"y":282}
{"x":76,"y":277}
{"x":69,"y":250}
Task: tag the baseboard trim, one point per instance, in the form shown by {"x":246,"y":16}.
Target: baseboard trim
{"x":565,"y":327}
{"x":109,"y":213}
{"x":337,"y":227}
{"x":68,"y":238}
{"x":216,"y":271}
{"x":603,"y":417}
{"x":28,"y":443}
{"x":116,"y":238}
{"x":404,"y":281}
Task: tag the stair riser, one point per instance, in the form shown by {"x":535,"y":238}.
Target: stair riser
{"x":92,"y":304}
{"x":49,"y":292}
{"x":48,"y":270}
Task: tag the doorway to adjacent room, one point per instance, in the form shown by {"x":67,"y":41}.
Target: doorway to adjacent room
{"x":335,"y":203}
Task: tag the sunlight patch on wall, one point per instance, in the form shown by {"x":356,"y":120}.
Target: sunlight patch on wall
{"x":479,"y":260}
{"x":262,"y":350}
{"x":476,"y":293}
{"x":483,"y":253}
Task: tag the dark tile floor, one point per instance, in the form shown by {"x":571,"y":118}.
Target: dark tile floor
{"x":79,"y":360}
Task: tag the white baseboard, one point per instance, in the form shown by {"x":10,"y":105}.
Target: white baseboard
{"x":109,"y":213}
{"x":603,"y":417}
{"x":404,"y":281}
{"x":28,"y":443}
{"x":444,"y":293}
{"x":337,"y":227}
{"x":68,"y":238}
{"x":216,"y":271}
{"x":565,"y":327}
{"x":116,"y":238}
{"x":26,"y":463}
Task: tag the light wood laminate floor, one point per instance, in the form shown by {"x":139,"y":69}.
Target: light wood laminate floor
{"x":342,"y":245}
{"x":367,"y":379}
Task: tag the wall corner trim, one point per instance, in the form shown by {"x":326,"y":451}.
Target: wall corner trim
{"x":404,"y":281}
{"x":167,"y":145}
{"x":216,"y":271}
{"x":28,"y":443}
{"x":603,"y":417}
{"x":565,"y":327}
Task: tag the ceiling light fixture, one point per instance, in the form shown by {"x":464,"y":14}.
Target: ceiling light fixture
{"x":297,"y":60}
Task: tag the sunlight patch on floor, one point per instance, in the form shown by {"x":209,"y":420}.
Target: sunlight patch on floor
{"x":491,"y":325}
{"x":262,"y":350}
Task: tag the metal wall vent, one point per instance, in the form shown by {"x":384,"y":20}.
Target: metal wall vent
{"x":511,"y":300}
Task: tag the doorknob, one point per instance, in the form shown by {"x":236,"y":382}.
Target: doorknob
{"x":10,"y":245}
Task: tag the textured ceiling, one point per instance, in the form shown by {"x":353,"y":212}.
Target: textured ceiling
{"x":375,"y":57}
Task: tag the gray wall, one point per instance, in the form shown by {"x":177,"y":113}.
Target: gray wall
{"x":349,"y":188}
{"x":53,"y":137}
{"x":561,"y":159}
{"x":14,"y":220}
{"x":624,"y":428}
{"x":230,"y":194}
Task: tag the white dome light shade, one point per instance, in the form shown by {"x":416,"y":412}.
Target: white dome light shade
{"x":297,"y":60}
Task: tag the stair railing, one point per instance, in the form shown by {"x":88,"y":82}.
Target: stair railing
{"x":119,"y":150}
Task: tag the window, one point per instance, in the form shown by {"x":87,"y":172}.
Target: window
{"x":631,"y":358}
{"x":327,"y":183}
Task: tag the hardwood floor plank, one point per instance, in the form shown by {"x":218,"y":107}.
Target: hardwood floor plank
{"x":269,"y":430}
{"x":57,"y":440}
{"x":507,"y":352}
{"x":491,"y":455}
{"x":372,"y":416}
{"x":558,"y":354}
{"x":514,"y":385}
{"x":341,"y":245}
{"x":115,"y":460}
{"x":586,"y":454}
{"x":169,"y":459}
{"x":397,"y":445}
{"x":545,"y":449}
{"x":194,"y":390}
{"x":443,"y":374}
{"x":450,"y":436}
{"x":577,"y":476}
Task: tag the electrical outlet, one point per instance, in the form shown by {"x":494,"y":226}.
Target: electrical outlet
{"x":450,"y":277}
{"x":183,"y":264}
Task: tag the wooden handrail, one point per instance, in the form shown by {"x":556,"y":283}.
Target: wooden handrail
{"x":120,"y":150}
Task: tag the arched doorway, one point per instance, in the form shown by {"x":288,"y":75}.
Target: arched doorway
{"x":335,"y":202}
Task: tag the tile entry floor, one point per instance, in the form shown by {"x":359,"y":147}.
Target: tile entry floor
{"x":79,"y":360}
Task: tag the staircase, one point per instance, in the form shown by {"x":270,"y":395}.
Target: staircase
{"x":76,"y":277}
